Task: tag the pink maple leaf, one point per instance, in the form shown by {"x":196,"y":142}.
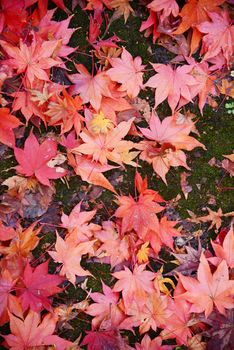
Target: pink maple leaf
{"x":105,"y":308}
{"x":173,"y":84}
{"x":128,"y":72}
{"x":135,"y":285}
{"x":91,"y":88}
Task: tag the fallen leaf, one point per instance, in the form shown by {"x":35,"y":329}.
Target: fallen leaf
{"x":34,"y":158}
{"x":122,"y":8}
{"x":32,"y":332}
{"x":38,"y":285}
{"x":8,"y":122}
{"x":173,"y":84}
{"x":209,"y":290}
{"x":128,"y":72}
{"x":91,"y":88}
{"x":70,"y":256}
{"x":186,"y":189}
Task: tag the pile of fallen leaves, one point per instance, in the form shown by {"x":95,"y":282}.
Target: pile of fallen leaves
{"x":90,"y":122}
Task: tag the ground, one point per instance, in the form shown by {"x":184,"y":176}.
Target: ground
{"x":210,"y":184}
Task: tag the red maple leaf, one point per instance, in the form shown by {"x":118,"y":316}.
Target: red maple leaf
{"x":38,"y":286}
{"x":34,"y":158}
{"x":109,"y":340}
{"x":7,"y":123}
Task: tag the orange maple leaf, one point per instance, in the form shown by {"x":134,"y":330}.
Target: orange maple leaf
{"x":193,"y":13}
{"x":24,"y":242}
{"x":122,"y":8}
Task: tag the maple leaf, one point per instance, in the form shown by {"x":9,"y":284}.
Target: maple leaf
{"x":38,"y":286}
{"x":23,"y":101}
{"x":152,"y":314}
{"x":135,"y":285}
{"x":188,"y":262}
{"x":143,"y":253}
{"x":32,"y":60}
{"x":7,"y":283}
{"x":226,"y":250}
{"x":91,"y":88}
{"x":34,"y":158}
{"x":105,"y":146}
{"x":49,"y":29}
{"x":107,"y":339}
{"x":30,"y":332}
{"x":105,"y":309}
{"x":13,"y":15}
{"x":113,"y":246}
{"x":221,"y":333}
{"x":219,"y":36}
{"x":77,"y":221}
{"x":122,"y":8}
{"x":180,"y":321}
{"x":23,"y":243}
{"x":128,"y":72}
{"x":142,"y":188}
{"x":193,"y":13}
{"x":173,"y":84}
{"x":63,"y":111}
{"x":162,"y":234}
{"x":155,"y":313}
{"x":138,"y":215}
{"x":100,"y":124}
{"x":6,"y":233}
{"x":213,"y":216}
{"x":165,"y":8}
{"x":8,"y":122}
{"x":205,"y":80}
{"x":151,"y":25}
{"x":168,"y":131}
{"x":70,"y":256}
{"x":154,"y":344}
{"x":91,"y":172}
{"x":168,"y":138}
{"x":209,"y":290}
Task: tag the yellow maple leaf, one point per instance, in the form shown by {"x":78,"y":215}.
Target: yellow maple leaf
{"x":100,"y":124}
{"x":160,"y":281}
{"x":143,"y":253}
